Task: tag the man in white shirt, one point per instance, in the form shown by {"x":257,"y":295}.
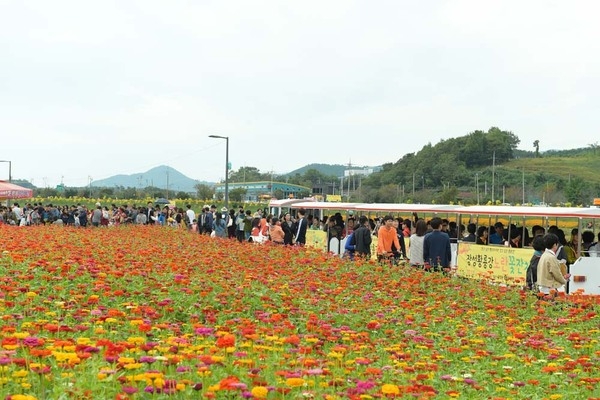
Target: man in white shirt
{"x":191,"y":216}
{"x":18,"y":212}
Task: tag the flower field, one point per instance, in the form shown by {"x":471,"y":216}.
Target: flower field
{"x":157,"y":313}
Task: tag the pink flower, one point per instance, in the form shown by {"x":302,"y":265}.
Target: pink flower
{"x":314,"y":371}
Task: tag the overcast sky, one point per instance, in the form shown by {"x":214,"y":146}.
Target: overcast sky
{"x":94,"y":89}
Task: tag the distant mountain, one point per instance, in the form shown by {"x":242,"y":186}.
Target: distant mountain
{"x":336,"y":170}
{"x":156,"y":177}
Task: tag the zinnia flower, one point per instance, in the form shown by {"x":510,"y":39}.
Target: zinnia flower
{"x":389,"y":388}
{"x":227,"y":340}
{"x":259,"y":392}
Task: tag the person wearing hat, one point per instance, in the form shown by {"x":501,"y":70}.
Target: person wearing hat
{"x":225,"y":216}
{"x":497,"y":237}
{"x":97,"y":215}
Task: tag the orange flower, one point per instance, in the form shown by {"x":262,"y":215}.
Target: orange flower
{"x":227,"y":340}
{"x":229,"y":383}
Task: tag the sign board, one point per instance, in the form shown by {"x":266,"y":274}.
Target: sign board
{"x":316,"y":239}
{"x":497,"y":263}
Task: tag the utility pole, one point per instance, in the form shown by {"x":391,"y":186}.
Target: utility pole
{"x":349,"y":174}
{"x":167,"y":184}
{"x":493,"y":174}
{"x":477,"y":185}
{"x":523,"y":181}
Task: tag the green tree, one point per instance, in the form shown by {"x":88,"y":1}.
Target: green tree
{"x":129,"y":193}
{"x":575,"y":191}
{"x":70,"y":192}
{"x":237,"y":194}
{"x":447,"y":196}
{"x":204,"y":192}
{"x":182,"y":195}
{"x":474,"y":153}
{"x":314,"y":177}
{"x":47,"y":192}
{"x":387,"y":194}
{"x":248,"y":174}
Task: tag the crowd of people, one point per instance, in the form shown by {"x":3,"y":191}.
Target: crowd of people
{"x":430,"y":241}
{"x":243,"y":224}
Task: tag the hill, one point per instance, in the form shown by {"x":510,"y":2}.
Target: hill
{"x":156,"y":177}
{"x":336,"y":170}
{"x":486,"y":166}
{"x":582,"y":165}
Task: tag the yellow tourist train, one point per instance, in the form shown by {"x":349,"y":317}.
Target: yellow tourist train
{"x":496,"y":263}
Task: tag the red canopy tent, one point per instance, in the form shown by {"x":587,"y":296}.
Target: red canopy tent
{"x":11,"y":191}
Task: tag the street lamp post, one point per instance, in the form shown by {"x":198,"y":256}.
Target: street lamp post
{"x":226,"y":166}
{"x":9,"y":169}
{"x":477,"y":185}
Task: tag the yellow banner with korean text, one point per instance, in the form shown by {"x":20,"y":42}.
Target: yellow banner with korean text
{"x":497,"y":263}
{"x":316,"y":239}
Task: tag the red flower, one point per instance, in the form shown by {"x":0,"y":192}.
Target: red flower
{"x":227,"y":340}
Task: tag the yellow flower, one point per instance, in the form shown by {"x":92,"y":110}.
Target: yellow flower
{"x":20,"y":373}
{"x":259,"y":392}
{"x":389,"y":388}
{"x":132,"y":366}
{"x":136,"y":340}
{"x":294,"y":382}
{"x":83,"y":340}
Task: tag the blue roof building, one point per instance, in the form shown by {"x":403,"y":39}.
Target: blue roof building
{"x":265,"y":190}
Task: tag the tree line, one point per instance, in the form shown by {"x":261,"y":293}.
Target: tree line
{"x":483,"y":166}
